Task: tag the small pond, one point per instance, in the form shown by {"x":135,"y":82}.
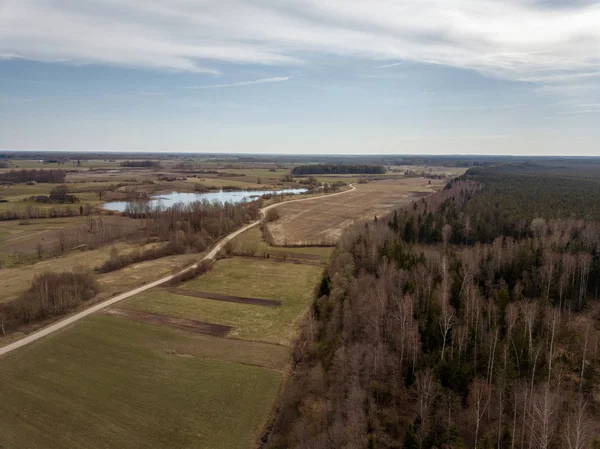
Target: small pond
{"x":170,"y":199}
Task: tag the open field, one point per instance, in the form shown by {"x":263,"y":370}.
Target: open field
{"x":14,"y":281}
{"x":255,"y":278}
{"x":16,"y":194}
{"x":23,"y":236}
{"x":109,"y":382}
{"x":321,"y":222}
{"x":252,"y":243}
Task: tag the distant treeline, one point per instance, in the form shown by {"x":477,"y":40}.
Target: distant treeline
{"x":198,"y":220}
{"x":140,"y":164}
{"x":515,"y":194}
{"x":24,"y":175}
{"x":338,"y":169}
{"x":34,"y":213}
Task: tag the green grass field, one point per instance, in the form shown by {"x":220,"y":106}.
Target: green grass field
{"x":111,"y":383}
{"x":255,"y":278}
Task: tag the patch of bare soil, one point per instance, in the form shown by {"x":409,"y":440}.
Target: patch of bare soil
{"x":156,"y":319}
{"x":226,"y":298}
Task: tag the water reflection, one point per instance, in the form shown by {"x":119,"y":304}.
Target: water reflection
{"x":170,"y":199}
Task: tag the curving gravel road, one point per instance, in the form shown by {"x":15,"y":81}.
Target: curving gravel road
{"x":109,"y":302}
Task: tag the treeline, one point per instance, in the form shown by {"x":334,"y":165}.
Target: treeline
{"x":201,"y":267}
{"x":33,"y":175}
{"x":426,"y":336}
{"x":32,"y":212}
{"x":211,"y":220}
{"x":185,"y":228}
{"x":50,"y":294}
{"x":140,"y":164}
{"x":118,"y":261}
{"x":96,"y":233}
{"x":338,"y":169}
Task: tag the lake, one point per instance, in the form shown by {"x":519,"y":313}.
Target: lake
{"x":170,"y":199}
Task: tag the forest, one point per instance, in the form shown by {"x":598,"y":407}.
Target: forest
{"x":337,"y":169}
{"x":467,"y":320}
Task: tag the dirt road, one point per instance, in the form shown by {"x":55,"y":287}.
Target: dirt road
{"x":109,"y":302}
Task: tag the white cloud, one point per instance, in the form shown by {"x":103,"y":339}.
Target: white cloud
{"x":385,"y":66}
{"x":518,"y":40}
{"x":277,"y":79}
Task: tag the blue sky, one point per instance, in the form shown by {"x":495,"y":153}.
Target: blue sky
{"x":303,"y":76}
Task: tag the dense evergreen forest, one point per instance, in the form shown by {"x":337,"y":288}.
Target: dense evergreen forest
{"x":467,"y":320}
{"x":515,"y":194}
{"x":337,"y":169}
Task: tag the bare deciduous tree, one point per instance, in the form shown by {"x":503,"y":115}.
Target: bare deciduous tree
{"x":425,"y":390}
{"x":447,"y":312}
{"x":584,"y":261}
{"x":543,"y":408}
{"x":578,"y":429}
{"x":529,"y":314}
{"x":2,"y":319}
{"x":480,"y":400}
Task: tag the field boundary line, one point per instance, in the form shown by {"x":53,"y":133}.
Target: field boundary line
{"x":225,"y":298}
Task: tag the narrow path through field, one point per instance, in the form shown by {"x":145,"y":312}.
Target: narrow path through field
{"x":109,"y":302}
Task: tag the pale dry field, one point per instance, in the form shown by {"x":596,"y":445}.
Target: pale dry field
{"x":24,"y":236}
{"x":321,"y":222}
{"x":14,"y":281}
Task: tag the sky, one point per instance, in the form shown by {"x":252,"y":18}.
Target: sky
{"x":302,"y":76}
